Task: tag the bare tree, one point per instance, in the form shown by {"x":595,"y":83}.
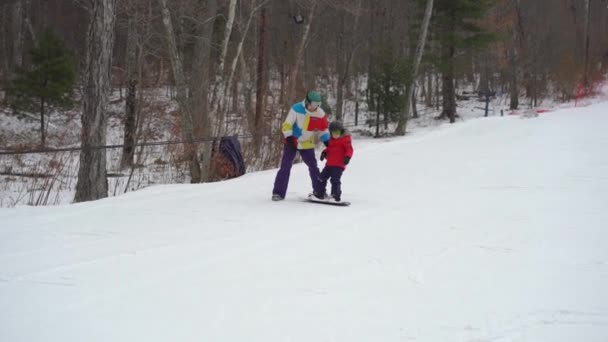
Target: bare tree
{"x":181,"y":86}
{"x":216,"y":98}
{"x":347,"y":46}
{"x":20,"y":22}
{"x":412,"y":81}
{"x":514,"y":55}
{"x":227,"y":33}
{"x":300,"y":52}
{"x":17,"y":19}
{"x":587,"y":43}
{"x":261,"y":78}
{"x":92,"y":178}
{"x":130,"y":101}
{"x":205,"y":125}
{"x":239,"y":57}
{"x":447,"y":81}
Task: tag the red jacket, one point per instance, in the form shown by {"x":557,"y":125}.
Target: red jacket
{"x":338,"y":149}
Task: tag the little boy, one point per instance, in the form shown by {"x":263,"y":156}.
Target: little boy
{"x":338,"y":154}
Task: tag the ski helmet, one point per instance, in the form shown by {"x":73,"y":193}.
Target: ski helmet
{"x":336,"y":126}
{"x":313,"y":96}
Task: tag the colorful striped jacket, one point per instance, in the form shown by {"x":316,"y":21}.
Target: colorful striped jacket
{"x":306,"y":126}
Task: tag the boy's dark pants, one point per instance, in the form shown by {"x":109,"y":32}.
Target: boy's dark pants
{"x":333,"y":173}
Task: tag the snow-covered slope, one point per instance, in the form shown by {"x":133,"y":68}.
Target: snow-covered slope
{"x":490,"y":230}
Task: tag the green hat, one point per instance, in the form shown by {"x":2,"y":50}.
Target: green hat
{"x":313,"y":96}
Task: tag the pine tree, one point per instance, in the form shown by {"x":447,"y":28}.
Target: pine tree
{"x":386,"y":86}
{"x":457,"y":29}
{"x":48,"y":82}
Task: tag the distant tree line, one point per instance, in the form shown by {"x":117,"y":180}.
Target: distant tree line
{"x":253,"y":58}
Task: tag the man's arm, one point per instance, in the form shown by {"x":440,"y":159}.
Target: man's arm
{"x":287,"y":127}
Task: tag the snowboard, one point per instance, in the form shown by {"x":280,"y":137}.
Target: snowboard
{"x":328,"y":201}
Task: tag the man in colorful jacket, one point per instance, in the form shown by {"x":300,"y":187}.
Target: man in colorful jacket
{"x":305,"y":122}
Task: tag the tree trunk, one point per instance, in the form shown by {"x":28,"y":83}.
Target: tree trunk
{"x":519,"y":38}
{"x":345,"y":57}
{"x":514,"y":85}
{"x":340,"y":98}
{"x":437,"y":91}
{"x":239,"y":58}
{"x":401,"y":126}
{"x":235,"y":98}
{"x":28,"y":22}
{"x":199,"y":86}
{"x":422,"y":87}
{"x":217,"y":82}
{"x":247,"y":92}
{"x":261,"y":80}
{"x":17,"y":32}
{"x":42,"y":133}
{"x":386,"y":111}
{"x":341,"y":69}
{"x":293,"y":78}
{"x":429,"y":88}
{"x":202,"y":61}
{"x":4,"y":58}
{"x":92,"y":178}
{"x":181,"y":94}
{"x":414,"y":104}
{"x":484,"y":77}
{"x":282,"y":76}
{"x":448,"y":51}
{"x":447,"y":86}
{"x":586,"y":81}
{"x":377,"y":117}
{"x":227,"y":33}
{"x":448,"y":91}
{"x":130,"y":102}
{"x":514,"y":103}
{"x":371,"y":45}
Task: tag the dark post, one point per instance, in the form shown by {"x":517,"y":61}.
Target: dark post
{"x":377,"y":117}
{"x":261,"y":78}
{"x":487,"y":103}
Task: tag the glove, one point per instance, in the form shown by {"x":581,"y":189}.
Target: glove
{"x":291,"y":141}
{"x":323,"y":155}
{"x":346,"y":160}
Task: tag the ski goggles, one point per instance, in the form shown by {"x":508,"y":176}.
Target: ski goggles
{"x":314,"y":104}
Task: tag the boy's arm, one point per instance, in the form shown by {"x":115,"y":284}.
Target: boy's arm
{"x":349,"y":147}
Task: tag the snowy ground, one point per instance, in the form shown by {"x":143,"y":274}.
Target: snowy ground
{"x":489,"y":230}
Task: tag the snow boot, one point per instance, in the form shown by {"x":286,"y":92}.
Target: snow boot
{"x":321,"y":196}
